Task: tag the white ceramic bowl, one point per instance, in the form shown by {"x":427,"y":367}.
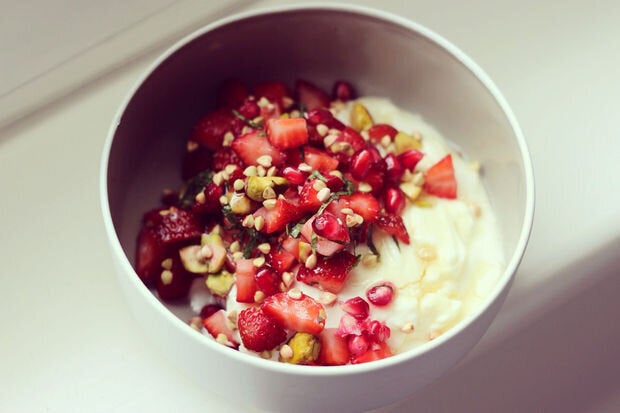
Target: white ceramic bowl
{"x":382,"y":55}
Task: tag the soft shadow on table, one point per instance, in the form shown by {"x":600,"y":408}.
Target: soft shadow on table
{"x":567,"y":361}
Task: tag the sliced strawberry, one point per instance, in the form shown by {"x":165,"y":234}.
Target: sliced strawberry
{"x":195,"y":162}
{"x":268,"y":281}
{"x":216,"y":324}
{"x":245,"y":281}
{"x":287,"y":133}
{"x":275,"y":92}
{"x":173,"y":283}
{"x":279,"y":216}
{"x":253,"y":145}
{"x":379,"y":130}
{"x":343,"y":91}
{"x":232,"y":93}
{"x":375,"y":352}
{"x":211,"y":204}
{"x":175,"y":225}
{"x":334,"y":349}
{"x":259,"y":331}
{"x":211,"y":128}
{"x":439,"y":180}
{"x":363,"y":204}
{"x":294,"y":176}
{"x":149,"y":255}
{"x":393,"y":225}
{"x":320,"y":160}
{"x":225,"y":156}
{"x":281,"y":260}
{"x":329,"y":273}
{"x":310,"y":95}
{"x":308,"y":196}
{"x":302,"y":314}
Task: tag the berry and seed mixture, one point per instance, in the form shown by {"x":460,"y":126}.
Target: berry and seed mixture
{"x":319,"y":229}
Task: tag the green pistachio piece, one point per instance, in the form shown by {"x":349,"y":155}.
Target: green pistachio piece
{"x":220,"y":284}
{"x":256,"y":185}
{"x":306,"y":348}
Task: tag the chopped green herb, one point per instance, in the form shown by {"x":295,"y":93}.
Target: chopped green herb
{"x":247,"y":121}
{"x":358,"y":259}
{"x":317,"y":174}
{"x":314,"y":241}
{"x":294,"y":232}
{"x":249,"y":246}
{"x":194,"y":186}
{"x":396,"y":241}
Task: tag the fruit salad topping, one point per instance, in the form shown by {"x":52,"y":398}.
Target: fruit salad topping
{"x":280,"y":193}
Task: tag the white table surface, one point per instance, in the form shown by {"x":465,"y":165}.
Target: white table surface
{"x":69,"y":343}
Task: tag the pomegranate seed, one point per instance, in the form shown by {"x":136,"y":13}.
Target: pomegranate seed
{"x":327,"y":225}
{"x":393,"y":168}
{"x":343,"y":91}
{"x":268,"y":281}
{"x":357,"y":307}
{"x":209,"y":309}
{"x":249,"y":109}
{"x":379,"y":130}
{"x":377,"y":331}
{"x":394,"y":200}
{"x":381,"y":295}
{"x":358,"y":345}
{"x":360,"y":163}
{"x":294,"y":176}
{"x":325,"y":117}
{"x":349,"y":326}
{"x":409,"y":159}
{"x":334,"y":183}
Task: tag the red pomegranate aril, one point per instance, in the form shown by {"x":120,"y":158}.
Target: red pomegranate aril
{"x":377,"y":331}
{"x":410,"y":158}
{"x":360,"y":164}
{"x":393,"y":168}
{"x":394,"y":200}
{"x":294,"y":176}
{"x":343,"y":91}
{"x":358,"y":345}
{"x":333,"y":182}
{"x":329,"y":226}
{"x":209,"y":310}
{"x":249,"y":108}
{"x":357,"y":307}
{"x":381,"y":295}
{"x":379,"y":130}
{"x":325,"y":117}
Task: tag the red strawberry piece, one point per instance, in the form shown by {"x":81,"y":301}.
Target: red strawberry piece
{"x":321,"y":116}
{"x":209,"y":310}
{"x":328,"y":226}
{"x":232,"y":93}
{"x":211,"y":204}
{"x":173,"y":283}
{"x":320,"y":160}
{"x":335,"y":207}
{"x":149,"y":255}
{"x":275,"y":92}
{"x":343,"y":91}
{"x":245,"y":281}
{"x":281,"y":260}
{"x":291,"y":245}
{"x":225,"y":156}
{"x":195,"y":162}
{"x":258,"y":330}
{"x":375,"y":352}
{"x":393,"y":225}
{"x":211,"y":128}
{"x":308,"y":196}
{"x":393,"y":169}
{"x":294,"y":176}
{"x":439,"y":179}
{"x":175,"y":225}
{"x":287,"y":133}
{"x":310,"y":95}
{"x":249,"y":108}
{"x":297,"y":313}
{"x":329,"y":273}
{"x":324,"y":246}
{"x":363,"y":204}
{"x":394,"y":200}
{"x":268,"y":281}
{"x":216,"y":324}
{"x":410,"y":158}
{"x":381,"y":294}
{"x":253,"y":145}
{"x":334,"y":349}
{"x":279,"y":216}
{"x":379,"y":130}
{"x":356,"y":307}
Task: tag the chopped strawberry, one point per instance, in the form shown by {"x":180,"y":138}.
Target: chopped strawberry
{"x":286,"y":133}
{"x":279,"y":216}
{"x":363,"y":204}
{"x":249,"y":108}
{"x":174,"y":225}
{"x":149,"y":255}
{"x":225,"y":156}
{"x":253,"y":145}
{"x":375,"y":352}
{"x":232,"y":93}
{"x":310,"y":95}
{"x":258,"y":330}
{"x":308,"y":196}
{"x":291,"y":245}
{"x":379,"y":130}
{"x":393,"y":225}
{"x":173,"y":283}
{"x":334,"y":349}
{"x":245,"y":281}
{"x":329,"y":273}
{"x":211,"y":204}
{"x":320,"y":160}
{"x":211,"y":128}
{"x":343,"y":91}
{"x":302,"y":314}
{"x":195,"y":162}
{"x":216,"y":324}
{"x":281,"y":260}
{"x":294,"y":176}
{"x":439,"y":179}
{"x":268,"y":281}
{"x":275,"y":92}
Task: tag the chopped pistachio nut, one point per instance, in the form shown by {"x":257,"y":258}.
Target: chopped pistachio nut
{"x":191,"y":260}
{"x":166,"y":277}
{"x":411,"y":190}
{"x":403,"y":142}
{"x":220,"y":284}
{"x":360,"y":118}
{"x":240,"y":204}
{"x":256,"y":186}
{"x":306,"y":348}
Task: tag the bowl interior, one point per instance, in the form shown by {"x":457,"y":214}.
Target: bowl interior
{"x":378,"y":57}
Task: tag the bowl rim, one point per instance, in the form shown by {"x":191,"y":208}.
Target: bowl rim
{"x":407,"y":356}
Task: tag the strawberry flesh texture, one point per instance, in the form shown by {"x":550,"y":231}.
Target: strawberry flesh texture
{"x":179,"y":285}
{"x":287,"y":133}
{"x":375,"y":352}
{"x":274,"y":92}
{"x":329,"y":273}
{"x":212,"y":193}
{"x":334,"y":349}
{"x":363,"y":204}
{"x":310,"y":95}
{"x":217,"y":324}
{"x":209,"y":131}
{"x":320,"y":160}
{"x":258,"y":330}
{"x":149,"y":255}
{"x":281,"y":260}
{"x":393,"y":225}
{"x":268,"y":281}
{"x":308,"y":197}
{"x":279,"y":216}
{"x":173,"y":225}
{"x":302,"y":314}
{"x":439,"y":179}
{"x":232,"y":93}
{"x":252,"y":145}
{"x":225,"y":156}
{"x":245,"y":281}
